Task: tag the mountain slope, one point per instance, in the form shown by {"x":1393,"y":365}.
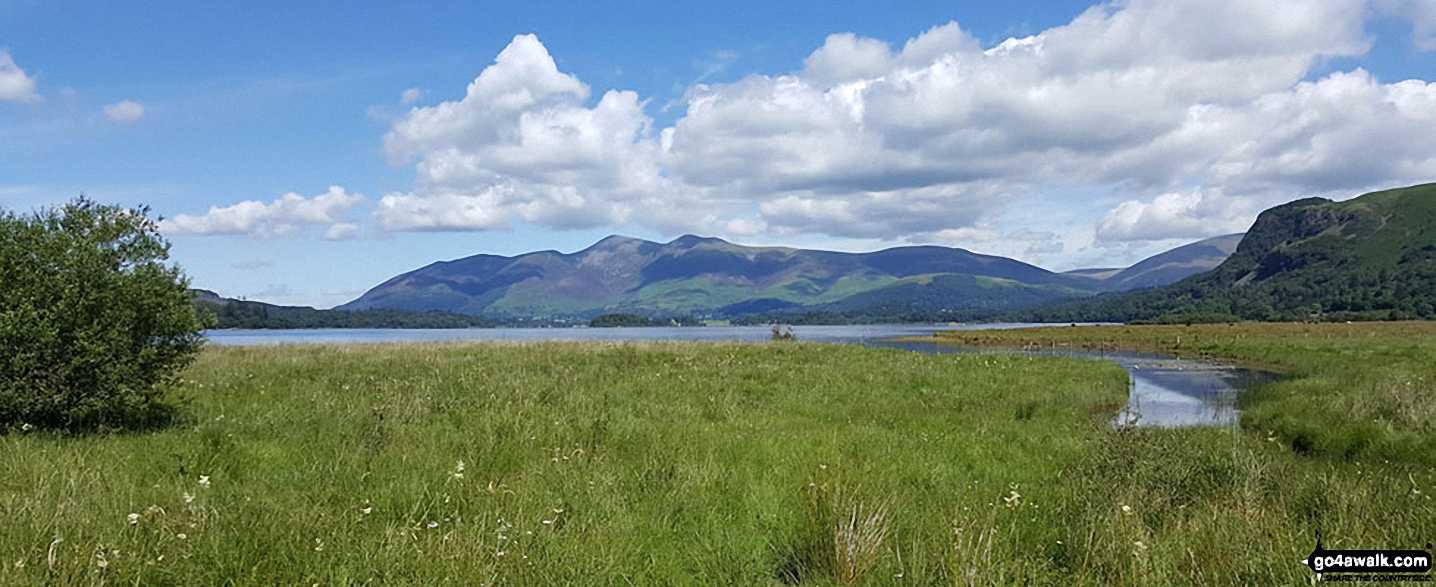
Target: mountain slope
{"x":709,"y":276}
{"x":1175,"y":265}
{"x":1371,"y":257}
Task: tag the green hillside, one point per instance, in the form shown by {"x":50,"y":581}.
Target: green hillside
{"x":1174,"y":265}
{"x":1369,"y":258}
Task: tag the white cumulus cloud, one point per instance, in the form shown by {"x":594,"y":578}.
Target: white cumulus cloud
{"x":125,"y":112}
{"x":1198,"y":112}
{"x":521,"y":144}
{"x":847,"y":57}
{"x":287,"y":216}
{"x":15,"y":84}
{"x":1191,"y":214}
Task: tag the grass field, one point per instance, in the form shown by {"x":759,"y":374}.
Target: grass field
{"x":681,"y":464}
{"x":1361,"y":391}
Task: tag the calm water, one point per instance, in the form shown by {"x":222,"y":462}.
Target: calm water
{"x":839,"y":334}
{"x":1165,"y":391}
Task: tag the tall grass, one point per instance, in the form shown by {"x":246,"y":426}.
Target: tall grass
{"x":582,"y":463}
{"x":676,"y":464}
{"x":1357,"y":391}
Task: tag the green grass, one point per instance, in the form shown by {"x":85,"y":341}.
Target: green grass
{"x":676,"y":464}
{"x":688,"y":463}
{"x":1357,"y":391}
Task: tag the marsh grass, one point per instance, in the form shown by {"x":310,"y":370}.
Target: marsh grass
{"x":703,"y":464}
{"x":844,"y":533}
{"x":1356,"y":391}
{"x":583,"y":463}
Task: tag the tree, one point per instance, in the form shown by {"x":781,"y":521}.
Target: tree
{"x":620,"y":320}
{"x":93,"y":325}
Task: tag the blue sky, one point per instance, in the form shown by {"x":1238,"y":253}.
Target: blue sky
{"x":1065,"y":134}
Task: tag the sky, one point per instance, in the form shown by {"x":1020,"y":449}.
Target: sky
{"x":303,"y":152}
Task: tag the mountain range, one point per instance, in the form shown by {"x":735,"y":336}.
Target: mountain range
{"x":1372,"y":257}
{"x":698,"y":276}
{"x":1168,"y":267}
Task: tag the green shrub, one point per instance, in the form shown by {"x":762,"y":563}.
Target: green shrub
{"x":93,"y":324}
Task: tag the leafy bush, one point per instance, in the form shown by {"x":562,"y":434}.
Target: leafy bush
{"x":93,"y":324}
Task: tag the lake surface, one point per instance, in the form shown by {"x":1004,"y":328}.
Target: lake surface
{"x":1165,"y":391}
{"x":834,"y":334}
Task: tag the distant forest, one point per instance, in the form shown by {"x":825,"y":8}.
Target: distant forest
{"x":243,"y":314}
{"x":256,"y":315}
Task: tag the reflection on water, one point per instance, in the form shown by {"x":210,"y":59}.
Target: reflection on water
{"x":1165,"y":391}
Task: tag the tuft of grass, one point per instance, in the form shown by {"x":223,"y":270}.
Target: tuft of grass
{"x":845,"y":532}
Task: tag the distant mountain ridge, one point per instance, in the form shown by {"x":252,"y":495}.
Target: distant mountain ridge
{"x":705,"y":276}
{"x":1168,"y":267}
{"x":1372,"y":257}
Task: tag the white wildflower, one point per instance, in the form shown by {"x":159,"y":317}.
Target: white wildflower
{"x":367,"y":511}
{"x":188,"y":498}
{"x":433,"y":525}
{"x":204,"y":480}
{"x":133,"y":518}
{"x":1126,"y":509}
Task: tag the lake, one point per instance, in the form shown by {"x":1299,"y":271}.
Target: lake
{"x":1165,"y":391}
{"x":834,"y":334}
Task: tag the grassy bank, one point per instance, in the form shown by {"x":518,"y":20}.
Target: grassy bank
{"x":675,"y":463}
{"x":1355,"y":391}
